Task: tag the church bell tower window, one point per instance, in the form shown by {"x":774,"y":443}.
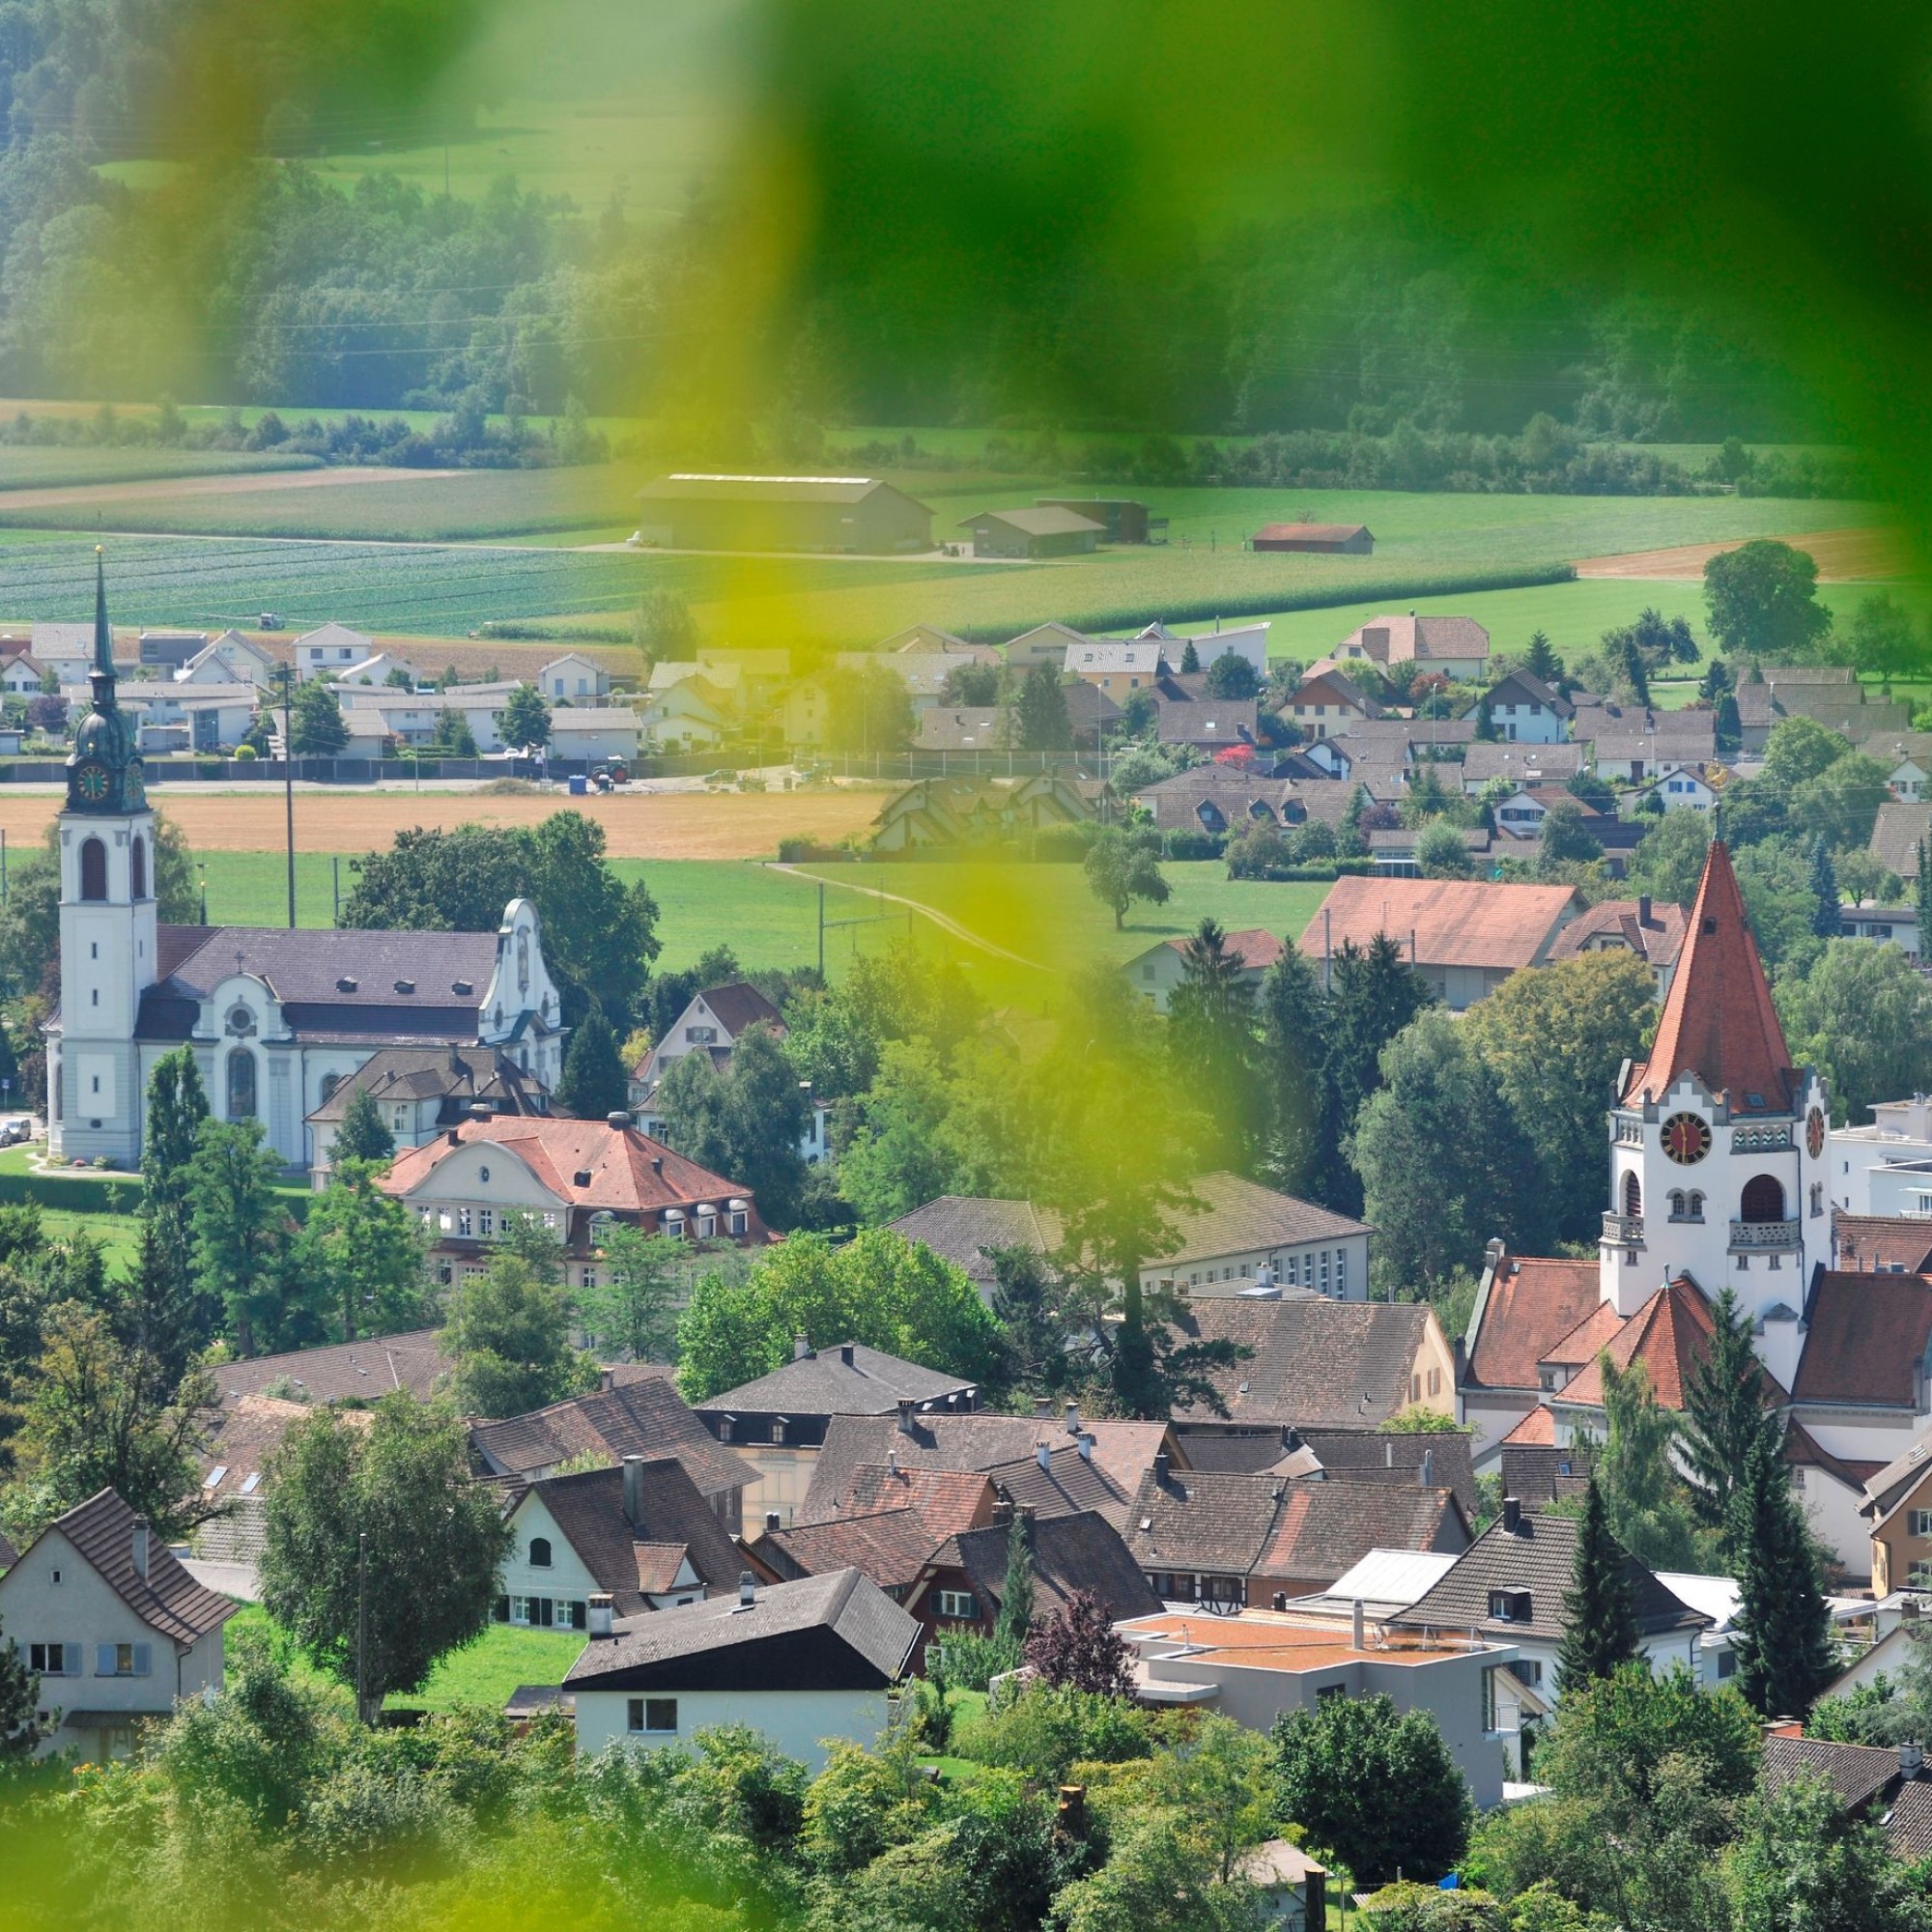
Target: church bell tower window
{"x":93,"y":869}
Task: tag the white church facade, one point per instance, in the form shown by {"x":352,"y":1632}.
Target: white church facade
{"x":277,"y":1019}
{"x":1719,"y":1177}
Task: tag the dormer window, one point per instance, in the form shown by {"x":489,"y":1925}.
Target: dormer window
{"x":1510,"y":1607}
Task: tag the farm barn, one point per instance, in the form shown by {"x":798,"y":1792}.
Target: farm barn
{"x":808,"y":513}
{"x":1121,"y":520}
{"x":1047,"y":533}
{"x":1326,"y":539}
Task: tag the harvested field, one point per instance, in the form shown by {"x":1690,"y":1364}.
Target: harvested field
{"x":1841,"y":556}
{"x":171,"y":490}
{"x":637,"y":825}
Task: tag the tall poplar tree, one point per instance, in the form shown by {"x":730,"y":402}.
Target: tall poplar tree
{"x":1599,"y":1608}
{"x":177,"y":1106}
{"x":1782,"y":1631}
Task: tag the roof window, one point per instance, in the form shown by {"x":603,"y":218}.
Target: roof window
{"x":345,"y":985}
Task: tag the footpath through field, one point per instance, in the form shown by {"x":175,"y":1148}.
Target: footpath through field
{"x":945,"y":922}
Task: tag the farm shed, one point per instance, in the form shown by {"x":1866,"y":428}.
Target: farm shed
{"x":1048,"y":532}
{"x":806,"y":513}
{"x":1121,"y":520}
{"x":1322,"y":539}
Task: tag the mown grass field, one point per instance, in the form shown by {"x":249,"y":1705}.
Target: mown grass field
{"x":26,"y":467}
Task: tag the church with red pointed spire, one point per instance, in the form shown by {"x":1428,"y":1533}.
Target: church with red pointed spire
{"x":1717,"y":1179}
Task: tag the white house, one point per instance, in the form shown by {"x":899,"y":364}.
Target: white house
{"x":228,"y":659}
{"x":1526,"y":711}
{"x":115,"y":1626}
{"x":380,"y":671}
{"x":1885,"y":1166}
{"x":332,"y":649}
{"x":22,"y":675}
{"x":641,"y":1535}
{"x":804,"y":1663}
{"x":574,"y":677}
{"x":688,"y":714}
{"x":1685,"y":790}
{"x":413,"y":717}
{"x":1246,"y":1240}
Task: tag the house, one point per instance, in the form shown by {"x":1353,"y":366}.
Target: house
{"x":690,"y":714}
{"x":1907,"y":757}
{"x":1459,"y":648}
{"x":1121,"y":520}
{"x":413,"y":718}
{"x":640,"y":1533}
{"x":66,"y":649}
{"x":642,"y":1415}
{"x":1116,"y":669}
{"x":1397,"y":1456}
{"x":1510,"y":1584}
{"x":576,"y":1177}
{"x":1044,"y":644}
{"x":803,"y":1663}
{"x":1326,"y":703}
{"x":779,"y":1423}
{"x":930,"y":641}
{"x":1530,"y":765}
{"x":22,"y":676}
{"x":1523,"y":710}
{"x":1248,"y":641}
{"x":713,"y":1023}
{"x":1256,"y":1667}
{"x":1206,"y":725}
{"x":1155,"y":973}
{"x":1394,"y":850}
{"x":1881,"y":1244}
{"x":228,"y":658}
{"x":360,"y":1372}
{"x":1292,"y":1888}
{"x":169,"y":650}
{"x":1884,"y":1167}
{"x":966,"y":1229}
{"x":1241,"y":1239}
{"x":1217,"y":799}
{"x":114,"y":1627}
{"x":966,"y":812}
{"x":1321,"y":1364}
{"x":421,"y":1092}
{"x":856,"y":514}
{"x":332,"y":649}
{"x":1886,"y":1786}
{"x":1635,"y":755}
{"x":1320,"y":539}
{"x":233,"y":1468}
{"x":573,"y":678}
{"x":943,"y":729}
{"x":384,"y":670}
{"x":1653,"y":932}
{"x":588,"y":733}
{"x":1685,"y":790}
{"x":1464,"y":936}
{"x":1897,"y":834}
{"x":1219,"y":1537}
{"x":1046,"y":531}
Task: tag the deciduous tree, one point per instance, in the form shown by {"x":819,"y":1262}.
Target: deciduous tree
{"x":526,"y":726}
{"x":1763,"y":602}
{"x":1079,"y":1646}
{"x":1123,"y":865}
{"x":746,"y":1122}
{"x":508,"y":1333}
{"x":240,"y":1241}
{"x":364,"y":1251}
{"x":633,"y":1307}
{"x":177,"y":1106}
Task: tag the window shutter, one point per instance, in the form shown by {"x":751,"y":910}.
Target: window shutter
{"x":144,"y":1659}
{"x":103,"y":1659}
{"x":502,"y":1610}
{"x":580,"y":1616}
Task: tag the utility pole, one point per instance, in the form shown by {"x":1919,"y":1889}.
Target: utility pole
{"x":289,"y":782}
{"x":362,"y":1625}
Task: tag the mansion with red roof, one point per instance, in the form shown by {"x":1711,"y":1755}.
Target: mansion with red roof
{"x":1717,"y":1179}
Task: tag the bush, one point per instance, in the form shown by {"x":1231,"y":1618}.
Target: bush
{"x":1408,"y":1906}
{"x":972,"y":1660}
{"x":1042,"y":1733}
{"x":1185,"y":844}
{"x":1064,"y":844}
{"x":245,"y":753}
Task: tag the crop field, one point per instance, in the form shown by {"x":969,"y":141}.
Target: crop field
{"x":27,"y":467}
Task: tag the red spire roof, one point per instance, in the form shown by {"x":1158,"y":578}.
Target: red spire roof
{"x":1718,"y":1022}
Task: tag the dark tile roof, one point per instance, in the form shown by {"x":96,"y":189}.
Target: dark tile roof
{"x":1856,"y":1772}
{"x":458,"y":1076}
{"x":1124,"y":1449}
{"x":1539,"y":1557}
{"x":369,"y":1368}
{"x":1897,"y":832}
{"x":168,"y":1600}
{"x":1234,"y":1448}
{"x":1366,"y":1455}
{"x":589,"y":1508}
{"x":1068,"y":1484}
{"x":890,"y":1545}
{"x":948,"y":1499}
{"x":963,"y":1227}
{"x":1326,"y":1527}
{"x":1203,"y":1520}
{"x":1866,"y":1339}
{"x":639,"y":1418}
{"x":850,"y":1380}
{"x":838,"y":1632}
{"x":1069,"y":1554}
{"x":1333,"y":1364}
{"x":1237,"y":1216}
{"x":1541,"y":1473}
{"x":1907,"y":1823}
{"x":739,"y":1005}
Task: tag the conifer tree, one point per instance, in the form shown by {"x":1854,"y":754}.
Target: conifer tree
{"x":177,"y":1106}
{"x":1598,"y":1609}
{"x":1725,"y":1411}
{"x":1190,"y":657}
{"x":362,"y":1136}
{"x":20,"y":1725}
{"x":1925,"y":901}
{"x":593,"y":1083}
{"x":1827,"y":921}
{"x":1782,"y":1631}
{"x":1015,"y":1618}
{"x":1298,"y":1143}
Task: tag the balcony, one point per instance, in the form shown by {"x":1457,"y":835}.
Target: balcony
{"x":1623,"y":1231}
{"x":1757,"y":1235}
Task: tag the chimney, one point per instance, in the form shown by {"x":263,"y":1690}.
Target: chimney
{"x":1512,"y":1514}
{"x":905,"y":1415}
{"x":846,"y":1354}
{"x":600,"y":1615}
{"x":1428,"y":1469}
{"x":800,"y":1347}
{"x":1388,"y":1455}
{"x":1357,"y":1626}
{"x":140,"y":1540}
{"x":1643,"y":909}
{"x":456,"y":1136}
{"x":1043,"y":1408}
{"x":1911,"y":1759}
{"x":1003,"y":1513}
{"x":1085,"y":1445}
{"x":892,"y":1462}
{"x":1291,"y":1437}
{"x":607,"y":1381}
{"x":1160,"y":1469}
{"x":774,"y":1523}
{"x":616,"y":1118}
{"x":1042,"y":1454}
{"x":1280,"y":1600}
{"x":748,"y":1589}
{"x":1073,"y":1418}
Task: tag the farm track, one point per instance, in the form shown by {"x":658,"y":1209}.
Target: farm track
{"x":945,"y":922}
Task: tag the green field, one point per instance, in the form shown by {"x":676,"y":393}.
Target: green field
{"x":31,"y":467}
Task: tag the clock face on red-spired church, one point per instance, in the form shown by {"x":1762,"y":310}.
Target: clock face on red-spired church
{"x":1686,"y":1138}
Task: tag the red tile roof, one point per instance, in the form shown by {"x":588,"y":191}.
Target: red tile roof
{"x":1670,"y":1334}
{"x":1658,"y":939}
{"x":946,"y":1500}
{"x":1881,"y":1244}
{"x":1532,"y":1304}
{"x":1718,"y":1022}
{"x":1867,"y":1336}
{"x":1453,"y":922}
{"x":1254,"y":948}
{"x":1537,"y":1429}
{"x":1597,"y":1330}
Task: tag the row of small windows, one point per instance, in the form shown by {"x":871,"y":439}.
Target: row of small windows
{"x":93,"y":870}
{"x":1762,"y":1199}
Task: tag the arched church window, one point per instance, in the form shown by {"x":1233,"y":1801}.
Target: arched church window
{"x":1677,"y":1203}
{"x":329,"y":1082}
{"x":241,"y":1085}
{"x":1763,"y":1199}
{"x":93,"y":870}
{"x":137,"y":869}
{"x":1696,"y":1205}
{"x":1632,"y":1196}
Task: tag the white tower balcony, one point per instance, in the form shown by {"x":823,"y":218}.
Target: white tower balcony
{"x":1758,"y":1236}
{"x":1623,"y":1231}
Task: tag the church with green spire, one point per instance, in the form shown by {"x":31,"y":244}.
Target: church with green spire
{"x":105,"y":773}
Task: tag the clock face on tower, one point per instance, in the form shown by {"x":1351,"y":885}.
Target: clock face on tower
{"x":1814,"y":1132}
{"x":1686,"y":1139}
{"x":91,"y":782}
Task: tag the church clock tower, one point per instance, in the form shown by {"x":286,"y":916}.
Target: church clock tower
{"x":107,"y":925}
